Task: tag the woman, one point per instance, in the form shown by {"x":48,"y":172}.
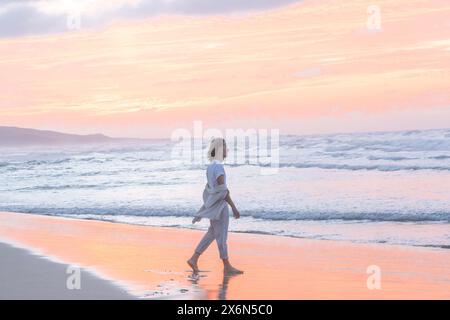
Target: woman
{"x":216,"y":199}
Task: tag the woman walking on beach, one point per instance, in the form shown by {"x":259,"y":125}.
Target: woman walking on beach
{"x":216,"y":198}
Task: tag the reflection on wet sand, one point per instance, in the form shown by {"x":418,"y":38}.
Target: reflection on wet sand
{"x":195,"y":279}
{"x":223,"y":288}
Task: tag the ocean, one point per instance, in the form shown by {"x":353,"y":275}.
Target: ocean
{"x":378,"y":187}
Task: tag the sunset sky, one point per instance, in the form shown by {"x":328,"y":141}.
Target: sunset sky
{"x":144,"y":68}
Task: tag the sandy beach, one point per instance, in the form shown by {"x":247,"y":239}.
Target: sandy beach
{"x":149,"y":262}
{"x":24,"y":275}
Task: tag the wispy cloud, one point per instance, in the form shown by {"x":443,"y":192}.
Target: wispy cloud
{"x":49,"y":16}
{"x":279,"y":67}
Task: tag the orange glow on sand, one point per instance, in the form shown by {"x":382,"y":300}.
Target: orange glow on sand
{"x":147,"y":259}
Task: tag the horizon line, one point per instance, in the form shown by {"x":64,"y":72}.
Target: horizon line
{"x":169,"y":138}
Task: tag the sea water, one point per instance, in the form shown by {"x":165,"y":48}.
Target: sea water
{"x":379,"y":187}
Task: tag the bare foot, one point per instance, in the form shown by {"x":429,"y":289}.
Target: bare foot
{"x":193,"y":265}
{"x":232,"y":270}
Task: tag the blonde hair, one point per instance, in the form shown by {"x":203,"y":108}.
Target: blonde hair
{"x":216,"y":149}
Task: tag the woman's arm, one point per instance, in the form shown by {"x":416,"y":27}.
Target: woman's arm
{"x":236,"y":214}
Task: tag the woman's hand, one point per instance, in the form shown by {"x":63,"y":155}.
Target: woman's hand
{"x":236,"y":213}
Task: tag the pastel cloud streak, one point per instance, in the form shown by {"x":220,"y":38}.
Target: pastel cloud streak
{"x":50,"y":16}
{"x":308,"y":67}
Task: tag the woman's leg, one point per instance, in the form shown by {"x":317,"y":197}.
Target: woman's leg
{"x":220,"y":228}
{"x":207,"y":239}
{"x":204,"y":243}
{"x":221,"y":234}
{"x":217,"y":230}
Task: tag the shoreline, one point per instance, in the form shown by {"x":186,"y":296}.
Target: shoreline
{"x":266,"y":233}
{"x":150,"y":261}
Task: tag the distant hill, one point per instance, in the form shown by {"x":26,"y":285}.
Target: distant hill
{"x":16,"y":137}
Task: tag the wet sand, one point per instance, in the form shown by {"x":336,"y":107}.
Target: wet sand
{"x":150,"y":262}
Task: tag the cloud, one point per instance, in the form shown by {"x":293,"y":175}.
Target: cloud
{"x":196,"y":7}
{"x":309,"y":72}
{"x":30,"y":17}
{"x":25,"y":19}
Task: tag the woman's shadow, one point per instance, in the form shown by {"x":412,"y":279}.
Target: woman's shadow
{"x":223,"y":287}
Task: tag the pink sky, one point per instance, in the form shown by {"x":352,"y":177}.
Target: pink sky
{"x":310,"y":67}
